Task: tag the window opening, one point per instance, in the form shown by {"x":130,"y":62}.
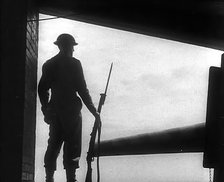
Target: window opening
{"x":156,"y":84}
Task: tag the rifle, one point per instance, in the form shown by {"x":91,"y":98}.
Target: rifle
{"x":96,"y":127}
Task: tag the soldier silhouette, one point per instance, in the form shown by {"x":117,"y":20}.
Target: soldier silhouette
{"x":61,"y":84}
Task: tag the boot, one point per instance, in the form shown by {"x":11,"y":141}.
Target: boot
{"x":70,"y":175}
{"x":49,"y":175}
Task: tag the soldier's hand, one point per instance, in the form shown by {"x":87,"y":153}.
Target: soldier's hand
{"x":49,"y":114}
{"x":98,"y":119}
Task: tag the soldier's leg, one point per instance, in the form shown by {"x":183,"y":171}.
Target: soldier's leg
{"x":54,"y":145}
{"x":71,"y":174}
{"x":72,"y":146}
{"x":49,"y":175}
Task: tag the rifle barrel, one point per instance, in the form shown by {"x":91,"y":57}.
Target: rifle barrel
{"x":90,"y":155}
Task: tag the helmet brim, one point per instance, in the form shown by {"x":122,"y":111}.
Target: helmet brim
{"x":73,"y":43}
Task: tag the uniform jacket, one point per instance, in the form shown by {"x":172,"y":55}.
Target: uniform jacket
{"x":62,"y":78}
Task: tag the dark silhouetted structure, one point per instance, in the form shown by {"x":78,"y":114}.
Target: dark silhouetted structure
{"x":176,"y":140}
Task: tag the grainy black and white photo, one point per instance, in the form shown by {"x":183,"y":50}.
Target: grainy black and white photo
{"x":104,"y":91}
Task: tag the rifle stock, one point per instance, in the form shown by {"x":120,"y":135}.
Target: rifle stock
{"x":89,"y":172}
{"x":90,"y":154}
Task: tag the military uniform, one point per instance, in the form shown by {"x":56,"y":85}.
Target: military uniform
{"x":63,"y":76}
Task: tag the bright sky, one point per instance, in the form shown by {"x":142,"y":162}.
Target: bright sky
{"x":155,"y":84}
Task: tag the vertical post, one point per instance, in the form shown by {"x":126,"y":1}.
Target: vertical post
{"x":29,"y":125}
{"x":18,"y":90}
{"x":13,"y":56}
{"x":214,"y":138}
{"x":219,"y":170}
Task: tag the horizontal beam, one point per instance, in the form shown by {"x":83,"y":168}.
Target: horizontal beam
{"x":176,"y":140}
{"x":198,"y":22}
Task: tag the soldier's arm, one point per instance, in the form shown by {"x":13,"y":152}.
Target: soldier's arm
{"x":43,"y":87}
{"x":84,"y":92}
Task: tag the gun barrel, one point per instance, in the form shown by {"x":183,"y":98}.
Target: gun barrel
{"x":176,"y":140}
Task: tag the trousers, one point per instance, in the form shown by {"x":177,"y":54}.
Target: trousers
{"x":65,"y":129}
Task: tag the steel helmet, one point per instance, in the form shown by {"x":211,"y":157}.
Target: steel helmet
{"x":65,"y":39}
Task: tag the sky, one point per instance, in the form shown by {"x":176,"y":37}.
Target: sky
{"x":156,"y":84}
